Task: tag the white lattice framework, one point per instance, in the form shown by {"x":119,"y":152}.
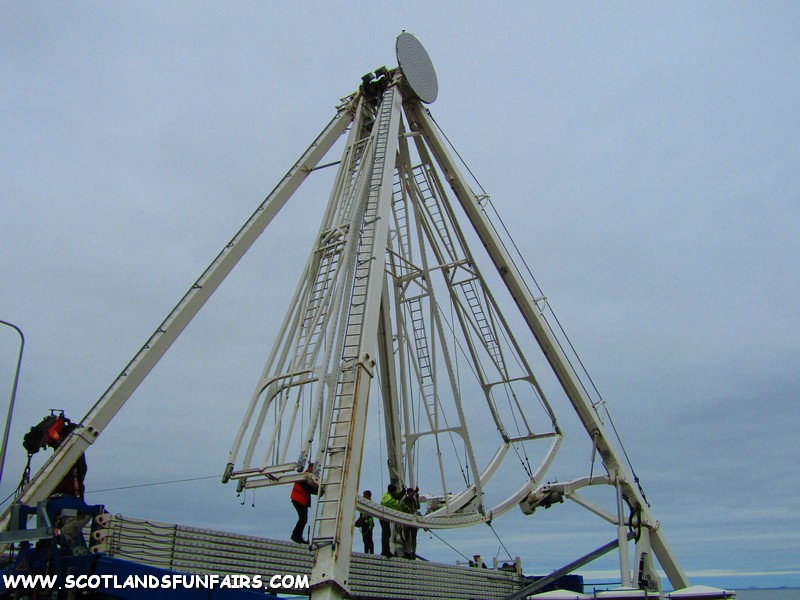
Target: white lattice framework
{"x":392,"y":291}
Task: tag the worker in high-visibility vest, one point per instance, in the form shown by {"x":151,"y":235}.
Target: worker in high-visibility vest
{"x":301,"y":500}
{"x":410,"y":504}
{"x":366,"y":524}
{"x":390,"y":499}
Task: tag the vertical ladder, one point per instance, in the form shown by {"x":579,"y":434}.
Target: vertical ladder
{"x":482,"y":323}
{"x":317,"y":303}
{"x":325,"y":529}
{"x":400,"y":219}
{"x":326,"y":514}
{"x":431,"y":203}
{"x":332,"y":244}
{"x":424,"y":364}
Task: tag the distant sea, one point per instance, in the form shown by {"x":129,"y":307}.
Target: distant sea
{"x":781,"y":594}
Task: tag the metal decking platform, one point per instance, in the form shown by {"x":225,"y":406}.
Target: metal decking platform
{"x":192,"y":550}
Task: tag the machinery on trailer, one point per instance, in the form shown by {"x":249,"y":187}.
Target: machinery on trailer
{"x":393,"y":290}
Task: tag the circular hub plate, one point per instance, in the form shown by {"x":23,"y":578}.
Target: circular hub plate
{"x":417,"y":67}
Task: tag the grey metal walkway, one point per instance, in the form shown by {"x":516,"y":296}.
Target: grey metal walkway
{"x":192,"y":550}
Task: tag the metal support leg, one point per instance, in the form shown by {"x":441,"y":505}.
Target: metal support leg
{"x":159,"y":342}
{"x":622,"y":534}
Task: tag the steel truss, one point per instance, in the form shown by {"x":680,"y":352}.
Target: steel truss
{"x":392,"y":290}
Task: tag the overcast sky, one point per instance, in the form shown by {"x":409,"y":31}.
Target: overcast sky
{"x":644,"y":155}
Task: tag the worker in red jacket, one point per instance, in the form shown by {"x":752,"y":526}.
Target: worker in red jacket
{"x":301,"y":500}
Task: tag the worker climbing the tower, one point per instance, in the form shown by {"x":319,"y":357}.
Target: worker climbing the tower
{"x":408,"y":533}
{"x":391,"y":499}
{"x":301,"y":500}
{"x":366,"y":524}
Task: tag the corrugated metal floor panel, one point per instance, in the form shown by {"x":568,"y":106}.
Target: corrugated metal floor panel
{"x":372,"y":577}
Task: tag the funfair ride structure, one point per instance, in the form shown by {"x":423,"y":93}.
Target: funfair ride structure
{"x":392,"y":292}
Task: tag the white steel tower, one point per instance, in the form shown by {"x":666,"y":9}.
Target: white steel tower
{"x":392,"y":292}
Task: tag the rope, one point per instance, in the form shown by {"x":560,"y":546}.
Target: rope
{"x":437,"y":402}
{"x":457,"y":371}
{"x":559,"y":326}
{"x":453,"y":548}
{"x":525,"y":264}
{"x":26,"y":477}
{"x":625,"y":453}
{"x":141,"y":485}
{"x":130,"y":487}
{"x":7,"y":498}
{"x":463,"y":162}
{"x":508,"y":554}
{"x":524,"y":460}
